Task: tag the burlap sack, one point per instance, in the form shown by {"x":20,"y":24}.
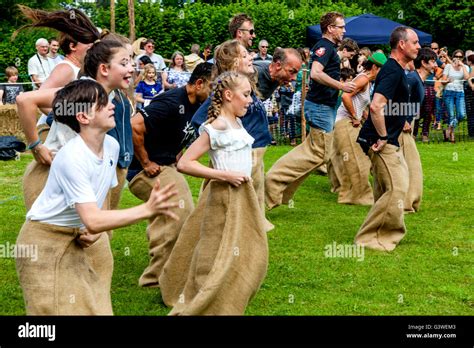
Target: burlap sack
{"x":230,"y":259}
{"x":353,"y":166}
{"x":162,"y":231}
{"x":65,"y":279}
{"x":285,"y":176}
{"x":34,"y":180}
{"x":176,"y":269}
{"x":384,"y":225}
{"x":333,"y":168}
{"x":415,"y":172}
{"x":258,"y":180}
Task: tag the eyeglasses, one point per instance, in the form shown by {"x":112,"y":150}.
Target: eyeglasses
{"x":264,"y":46}
{"x":338,"y":26}
{"x":150,"y":46}
{"x":458,"y":57}
{"x":435,"y":48}
{"x":251,"y":31}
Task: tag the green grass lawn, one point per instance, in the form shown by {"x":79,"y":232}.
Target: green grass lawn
{"x":429,"y":273}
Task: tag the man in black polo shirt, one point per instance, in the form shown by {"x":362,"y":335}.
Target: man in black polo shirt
{"x":320,"y":111}
{"x":160,"y":133}
{"x":384,"y":226}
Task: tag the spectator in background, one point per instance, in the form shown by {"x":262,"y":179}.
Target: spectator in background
{"x":9,"y":92}
{"x":156,"y":59}
{"x":428,"y":109}
{"x":469,"y":96}
{"x":207,"y":53}
{"x":347,"y":49}
{"x":242,"y":29}
{"x":360,"y":63}
{"x":40,"y":65}
{"x":365,"y":51}
{"x":142,"y":61}
{"x":453,"y":77}
{"x":53,"y":51}
{"x":148,"y":88}
{"x":192,"y":60}
{"x":263,"y":49}
{"x":177,"y":74}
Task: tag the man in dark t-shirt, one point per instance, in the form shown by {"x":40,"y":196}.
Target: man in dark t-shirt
{"x":160,"y":133}
{"x":424,"y":64}
{"x":289,"y":171}
{"x":384,"y":225}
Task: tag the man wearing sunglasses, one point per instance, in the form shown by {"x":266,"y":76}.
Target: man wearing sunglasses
{"x":157,"y":60}
{"x":241,"y":28}
{"x":291,"y":170}
{"x":263,"y":48}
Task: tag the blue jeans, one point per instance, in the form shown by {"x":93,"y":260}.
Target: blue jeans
{"x":455,"y":99}
{"x":319,"y":115}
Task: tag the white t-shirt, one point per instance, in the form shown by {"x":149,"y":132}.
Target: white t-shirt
{"x":457,"y":76}
{"x":56,"y":60}
{"x":77,"y":175}
{"x":41,"y":67}
{"x":157,"y":60}
{"x":231,"y":148}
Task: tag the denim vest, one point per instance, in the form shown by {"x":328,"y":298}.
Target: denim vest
{"x":123,"y":129}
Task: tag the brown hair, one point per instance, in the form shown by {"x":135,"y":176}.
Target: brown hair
{"x":73,"y":24}
{"x":349,"y":44}
{"x":398,"y":34}
{"x":328,"y":19}
{"x":236,"y":22}
{"x":228,"y":80}
{"x":78,"y":96}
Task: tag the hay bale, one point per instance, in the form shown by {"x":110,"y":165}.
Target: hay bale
{"x":9,"y":122}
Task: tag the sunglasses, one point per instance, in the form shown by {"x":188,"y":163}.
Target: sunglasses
{"x":435,"y":48}
{"x":251,"y":31}
{"x":264,"y":46}
{"x":458,"y":57}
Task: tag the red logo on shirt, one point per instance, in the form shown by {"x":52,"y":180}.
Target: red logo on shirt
{"x":320,"y":51}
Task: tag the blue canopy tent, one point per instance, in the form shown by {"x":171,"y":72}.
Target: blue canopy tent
{"x":366,"y":29}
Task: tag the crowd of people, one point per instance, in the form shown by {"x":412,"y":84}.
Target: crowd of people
{"x":109,"y":123}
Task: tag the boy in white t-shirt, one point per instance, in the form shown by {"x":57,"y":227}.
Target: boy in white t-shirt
{"x":72,"y":269}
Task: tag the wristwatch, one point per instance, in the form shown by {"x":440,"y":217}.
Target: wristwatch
{"x":384,"y":137}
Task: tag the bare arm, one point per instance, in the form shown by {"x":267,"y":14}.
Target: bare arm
{"x":139,"y":98}
{"x":61,"y":75}
{"x":138,"y":136}
{"x":318,"y":75}
{"x":97,"y":220}
{"x":189,"y":164}
{"x":377,"y":116}
{"x":27,"y":104}
{"x":36,"y":80}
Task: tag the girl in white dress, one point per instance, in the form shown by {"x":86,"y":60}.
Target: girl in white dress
{"x":223,"y":243}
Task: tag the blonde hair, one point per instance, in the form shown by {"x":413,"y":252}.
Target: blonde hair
{"x":226,"y":58}
{"x":147,"y":68}
{"x":228,"y":80}
{"x":11,"y":71}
